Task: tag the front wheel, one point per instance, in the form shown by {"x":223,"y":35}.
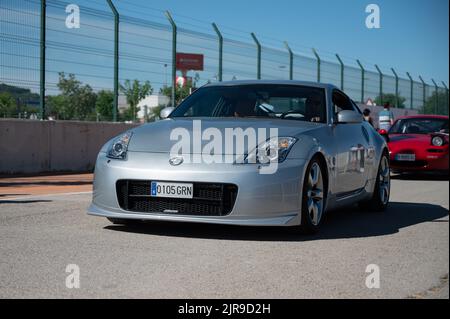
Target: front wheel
{"x":313,"y":197}
{"x":382,"y":191}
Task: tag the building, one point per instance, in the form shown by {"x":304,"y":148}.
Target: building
{"x":148,"y":103}
{"x":145,"y":105}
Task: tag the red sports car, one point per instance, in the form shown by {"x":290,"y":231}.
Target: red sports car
{"x":419,"y":143}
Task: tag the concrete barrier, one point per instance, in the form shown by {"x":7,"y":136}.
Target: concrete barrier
{"x":53,"y":146}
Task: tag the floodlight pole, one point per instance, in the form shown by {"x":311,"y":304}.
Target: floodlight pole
{"x":291,"y":61}
{"x":42,"y":59}
{"x":219,"y":34}
{"x":319,"y":61}
{"x":174,"y":55}
{"x":258,"y":46}
{"x":363,"y":75}
{"x":411,"y":93}
{"x":342,"y":70}
{"x":116,"y":59}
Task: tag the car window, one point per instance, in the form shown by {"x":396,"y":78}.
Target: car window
{"x":341,"y":102}
{"x":356,"y":107}
{"x":259,"y":100}
{"x":419,"y":126}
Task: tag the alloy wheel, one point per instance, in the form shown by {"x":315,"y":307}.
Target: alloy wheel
{"x":384,"y":180}
{"x":314,"y":194}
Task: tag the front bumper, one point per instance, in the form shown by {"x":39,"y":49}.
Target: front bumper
{"x":430,"y":161}
{"x":262,"y":200}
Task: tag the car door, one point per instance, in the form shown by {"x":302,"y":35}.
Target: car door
{"x":352,"y":143}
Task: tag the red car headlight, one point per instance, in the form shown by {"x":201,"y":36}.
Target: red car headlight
{"x":437,"y":141}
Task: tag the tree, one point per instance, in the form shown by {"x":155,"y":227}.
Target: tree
{"x":181,"y":92}
{"x":153,"y":113}
{"x":134,"y":92}
{"x":23,"y":100}
{"x":80,"y":98}
{"x":104,"y":105}
{"x":8,"y":106}
{"x":127,"y":115}
{"x":430,"y":104}
{"x":392,"y":100}
{"x":21,"y":95}
{"x":59,"y":107}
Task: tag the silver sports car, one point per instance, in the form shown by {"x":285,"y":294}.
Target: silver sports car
{"x":260,"y":153}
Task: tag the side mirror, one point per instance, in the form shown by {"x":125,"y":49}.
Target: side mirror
{"x":385,"y":134}
{"x":165,"y":112}
{"x":347,"y":116}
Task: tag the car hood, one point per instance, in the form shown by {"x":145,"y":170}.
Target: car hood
{"x":155,"y":137}
{"x":409,"y":140}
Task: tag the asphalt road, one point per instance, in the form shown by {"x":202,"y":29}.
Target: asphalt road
{"x":41,"y":235}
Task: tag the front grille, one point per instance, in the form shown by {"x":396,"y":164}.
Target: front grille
{"x":409,"y":164}
{"x":209,"y":199}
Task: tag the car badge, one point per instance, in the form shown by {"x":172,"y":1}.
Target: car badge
{"x":175,"y":161}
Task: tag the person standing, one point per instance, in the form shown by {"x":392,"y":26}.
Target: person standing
{"x":367,"y":117}
{"x":385,"y":118}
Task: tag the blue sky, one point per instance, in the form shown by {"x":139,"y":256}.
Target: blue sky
{"x":413,"y":35}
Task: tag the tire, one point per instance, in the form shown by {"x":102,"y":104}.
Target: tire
{"x":382,"y":190}
{"x":313,"y":197}
{"x":121,"y":221}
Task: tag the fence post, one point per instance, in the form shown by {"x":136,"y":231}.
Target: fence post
{"x":446,"y":93}
{"x":220,"y":51}
{"x":291,"y":61}
{"x":436,"y":101}
{"x":411,"y":93}
{"x":381,"y":83}
{"x":258,"y":46}
{"x":174,"y":55}
{"x":116,"y":59}
{"x":342,"y":71}
{"x":319,"y":61}
{"x":397,"y":99}
{"x":42,"y":58}
{"x":363,"y":72}
{"x":424,"y":92}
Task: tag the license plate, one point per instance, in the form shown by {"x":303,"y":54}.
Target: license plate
{"x":406,"y":157}
{"x":172,"y":190}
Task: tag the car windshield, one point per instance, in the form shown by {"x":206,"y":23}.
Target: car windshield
{"x":256,"y":101}
{"x":419,"y":126}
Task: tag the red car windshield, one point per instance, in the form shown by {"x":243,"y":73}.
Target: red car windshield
{"x":419,"y":126}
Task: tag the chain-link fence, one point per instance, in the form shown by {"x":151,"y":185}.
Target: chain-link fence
{"x":78,"y":66}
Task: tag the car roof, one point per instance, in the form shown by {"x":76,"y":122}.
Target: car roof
{"x":274,"y":82}
{"x":423,"y":116}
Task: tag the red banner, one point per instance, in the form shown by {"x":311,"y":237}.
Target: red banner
{"x":189,"y":61}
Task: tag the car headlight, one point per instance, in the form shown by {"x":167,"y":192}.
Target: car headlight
{"x":119,"y":146}
{"x":274,"y":149}
{"x":437,"y":141}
